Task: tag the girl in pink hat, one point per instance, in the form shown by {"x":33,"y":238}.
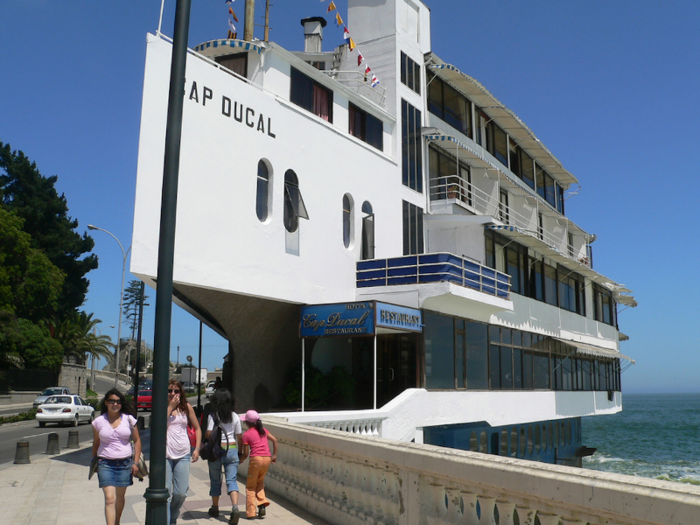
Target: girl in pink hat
{"x":255,"y":444}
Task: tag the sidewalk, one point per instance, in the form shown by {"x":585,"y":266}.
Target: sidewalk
{"x":54,"y":490}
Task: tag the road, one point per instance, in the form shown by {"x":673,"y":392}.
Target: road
{"x":38,"y":437}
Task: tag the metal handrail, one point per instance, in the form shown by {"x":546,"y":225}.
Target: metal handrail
{"x":460,"y":191}
{"x":431,"y":268}
{"x":357,"y":81}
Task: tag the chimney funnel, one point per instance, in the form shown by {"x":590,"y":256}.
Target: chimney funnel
{"x":313,"y":33}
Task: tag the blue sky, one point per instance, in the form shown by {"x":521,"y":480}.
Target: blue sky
{"x":611,"y":88}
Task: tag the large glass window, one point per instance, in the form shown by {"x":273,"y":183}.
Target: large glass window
{"x":262,"y":195}
{"x":412,"y":229}
{"x":439,"y":351}
{"x":450,"y":105}
{"x":448,"y":180}
{"x":411,"y":147}
{"x":497,"y":142}
{"x":603,"y":305}
{"x":410,"y":73}
{"x":311,"y":95}
{"x":366,"y":127}
{"x":477,"y":364}
{"x":550,"y":285}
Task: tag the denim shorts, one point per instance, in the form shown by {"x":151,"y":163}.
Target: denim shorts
{"x":114,"y":472}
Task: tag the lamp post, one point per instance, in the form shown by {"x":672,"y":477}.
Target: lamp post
{"x":121,"y":301}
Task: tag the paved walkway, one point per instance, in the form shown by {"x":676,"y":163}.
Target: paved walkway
{"x":54,"y":490}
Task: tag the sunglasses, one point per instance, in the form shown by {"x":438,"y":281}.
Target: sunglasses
{"x":173,"y":391}
{"x":113,"y":402}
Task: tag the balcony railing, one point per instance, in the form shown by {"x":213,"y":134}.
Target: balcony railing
{"x":455,"y":188}
{"x":433,"y":268}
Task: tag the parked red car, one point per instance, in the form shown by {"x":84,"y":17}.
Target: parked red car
{"x":145,"y":399}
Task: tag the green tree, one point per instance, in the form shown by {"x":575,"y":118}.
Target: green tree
{"x":26,"y":344}
{"x":132,"y":296}
{"x":76,"y":335}
{"x":33,"y":197}
{"x":30,"y":286}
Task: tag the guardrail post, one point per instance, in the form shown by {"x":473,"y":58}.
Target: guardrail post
{"x":22,"y":453}
{"x":52,"y":446}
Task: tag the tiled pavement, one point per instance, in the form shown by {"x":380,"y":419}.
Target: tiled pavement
{"x":54,"y":490}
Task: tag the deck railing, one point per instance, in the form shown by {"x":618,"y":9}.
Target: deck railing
{"x":453,"y":188}
{"x":432,"y":268}
{"x":349,"y":479}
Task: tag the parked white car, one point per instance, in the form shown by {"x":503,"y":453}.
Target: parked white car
{"x":64,"y":409}
{"x":209,"y":390}
{"x":53,"y":391}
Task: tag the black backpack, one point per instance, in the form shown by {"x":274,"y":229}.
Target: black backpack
{"x":211,"y":448}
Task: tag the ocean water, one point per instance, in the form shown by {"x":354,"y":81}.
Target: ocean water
{"x":655,"y":436}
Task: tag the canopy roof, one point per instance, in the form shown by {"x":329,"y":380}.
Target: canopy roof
{"x":503,"y":116}
{"x":532,"y":240}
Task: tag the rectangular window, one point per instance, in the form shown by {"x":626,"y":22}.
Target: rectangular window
{"x":410,"y":73}
{"x":506,"y":368}
{"x":450,"y":105}
{"x":495,"y":367}
{"x":497,"y":142}
{"x":412,"y":229}
{"x":411,"y":147}
{"x":560,"y":199}
{"x":603,"y":305}
{"x":527,"y":169}
{"x":527,"y":370}
{"x":447,"y":179}
{"x":550,"y":285}
{"x":503,"y":210}
{"x":477,"y":363}
{"x":237,"y":63}
{"x":366,"y":127}
{"x":310,"y":95}
{"x":439,"y":351}
{"x":517,"y":368}
{"x":541,"y":370}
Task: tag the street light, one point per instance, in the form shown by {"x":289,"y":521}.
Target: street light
{"x":121,"y":301}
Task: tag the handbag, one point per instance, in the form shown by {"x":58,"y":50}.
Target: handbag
{"x":93,"y":467}
{"x":192,"y":434}
{"x":142,"y":471}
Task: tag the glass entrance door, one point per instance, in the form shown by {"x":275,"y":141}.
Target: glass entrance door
{"x":396,"y":365}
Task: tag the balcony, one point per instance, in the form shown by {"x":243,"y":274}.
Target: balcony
{"x":456,"y":190}
{"x":433,"y":268}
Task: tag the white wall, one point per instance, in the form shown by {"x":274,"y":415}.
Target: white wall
{"x":220,"y":242}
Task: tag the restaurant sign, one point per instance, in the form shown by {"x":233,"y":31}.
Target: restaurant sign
{"x":356,"y":319}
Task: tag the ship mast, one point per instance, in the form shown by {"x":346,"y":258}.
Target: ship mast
{"x":267,"y":21}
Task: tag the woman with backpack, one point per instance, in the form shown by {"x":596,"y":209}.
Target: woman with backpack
{"x":224,"y":434}
{"x":255,"y":444}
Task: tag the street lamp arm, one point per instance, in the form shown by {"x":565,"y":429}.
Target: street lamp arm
{"x":121,"y":299}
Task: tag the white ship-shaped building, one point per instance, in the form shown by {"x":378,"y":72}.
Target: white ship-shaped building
{"x":405,"y":245}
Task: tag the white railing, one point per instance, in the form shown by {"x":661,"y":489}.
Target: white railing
{"x":347,"y":479}
{"x":453,"y":188}
{"x":359,"y":83}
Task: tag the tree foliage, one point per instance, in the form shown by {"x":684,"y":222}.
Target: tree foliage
{"x":30,"y":286}
{"x":132,"y":296}
{"x":29,"y":344}
{"x":33,"y":197}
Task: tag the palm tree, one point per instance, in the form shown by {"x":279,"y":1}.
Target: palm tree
{"x":77,"y":334}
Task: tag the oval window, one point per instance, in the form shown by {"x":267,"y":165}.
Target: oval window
{"x":262,"y":196}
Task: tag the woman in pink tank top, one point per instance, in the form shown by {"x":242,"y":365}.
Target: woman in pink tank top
{"x":178,"y":447}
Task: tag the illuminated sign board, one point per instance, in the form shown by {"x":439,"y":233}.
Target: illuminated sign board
{"x":356,"y":319}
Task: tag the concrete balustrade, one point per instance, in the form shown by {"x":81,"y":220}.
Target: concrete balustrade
{"x":344,"y":478}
